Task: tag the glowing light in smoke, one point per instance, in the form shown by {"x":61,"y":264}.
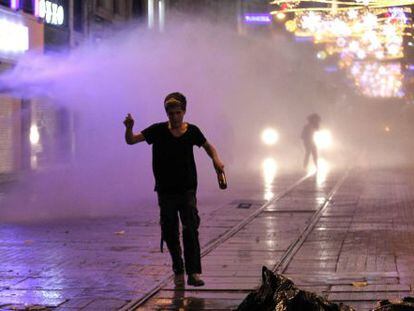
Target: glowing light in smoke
{"x":34,"y":135}
{"x":151,"y":14}
{"x":322,"y":172}
{"x":323,"y":139}
{"x":321,"y":55}
{"x":269,"y":167}
{"x":270,"y":136}
{"x":268,"y":195}
{"x":269,"y":170}
{"x":161,"y":14}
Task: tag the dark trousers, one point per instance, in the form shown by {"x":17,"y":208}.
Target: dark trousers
{"x":310,"y":149}
{"x":183,"y":206}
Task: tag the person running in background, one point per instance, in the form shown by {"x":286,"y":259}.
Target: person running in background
{"x":308,"y":139}
{"x":176,"y":183}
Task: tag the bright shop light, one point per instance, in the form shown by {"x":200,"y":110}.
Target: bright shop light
{"x":14,"y":37}
{"x":34,"y":135}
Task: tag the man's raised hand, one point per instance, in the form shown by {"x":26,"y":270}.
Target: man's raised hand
{"x":129,"y":121}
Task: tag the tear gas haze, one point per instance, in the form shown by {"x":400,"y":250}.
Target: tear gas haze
{"x":236,"y":86}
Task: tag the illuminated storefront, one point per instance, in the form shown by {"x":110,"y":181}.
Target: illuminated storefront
{"x":20,"y":32}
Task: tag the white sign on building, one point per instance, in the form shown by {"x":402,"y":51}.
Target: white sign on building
{"x":51,"y":12}
{"x":14,"y":37}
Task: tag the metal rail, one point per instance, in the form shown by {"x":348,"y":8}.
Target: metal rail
{"x":133,"y":305}
{"x":296,"y":245}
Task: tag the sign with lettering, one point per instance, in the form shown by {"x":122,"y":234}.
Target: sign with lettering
{"x":258,"y":18}
{"x":52,"y":13}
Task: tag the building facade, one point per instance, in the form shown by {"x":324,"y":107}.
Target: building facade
{"x":35,"y":133}
{"x":21,"y":32}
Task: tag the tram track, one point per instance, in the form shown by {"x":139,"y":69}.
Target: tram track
{"x":286,"y":258}
{"x":281,"y":266}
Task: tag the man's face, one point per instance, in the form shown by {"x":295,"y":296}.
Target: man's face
{"x":175,"y":116}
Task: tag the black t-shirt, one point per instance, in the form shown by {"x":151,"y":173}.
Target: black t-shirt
{"x":173,"y":158}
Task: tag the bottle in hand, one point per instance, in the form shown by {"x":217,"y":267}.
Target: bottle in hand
{"x":221,"y":177}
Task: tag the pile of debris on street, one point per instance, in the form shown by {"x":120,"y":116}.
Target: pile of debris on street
{"x":278,"y":293}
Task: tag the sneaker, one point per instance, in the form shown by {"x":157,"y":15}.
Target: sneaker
{"x":179,"y":280}
{"x":194,"y":280}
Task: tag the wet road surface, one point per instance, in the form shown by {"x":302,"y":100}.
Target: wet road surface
{"x":325,"y":234}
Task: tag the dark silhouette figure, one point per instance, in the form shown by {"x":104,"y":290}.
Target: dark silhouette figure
{"x":308,"y":141}
{"x":176,"y":183}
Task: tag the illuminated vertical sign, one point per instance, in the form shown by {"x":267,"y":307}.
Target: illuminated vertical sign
{"x":36,"y":7}
{"x":151,"y":14}
{"x":50,"y":12}
{"x":15,"y":4}
{"x":161,"y":14}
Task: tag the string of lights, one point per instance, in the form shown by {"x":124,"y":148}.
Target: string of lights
{"x":336,"y":6}
{"x":362,"y":33}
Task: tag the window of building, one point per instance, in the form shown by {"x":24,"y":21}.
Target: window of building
{"x":78,"y":15}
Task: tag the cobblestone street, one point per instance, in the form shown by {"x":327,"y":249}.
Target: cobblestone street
{"x":362,"y":234}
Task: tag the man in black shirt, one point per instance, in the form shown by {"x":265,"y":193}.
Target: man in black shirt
{"x":176,"y":182}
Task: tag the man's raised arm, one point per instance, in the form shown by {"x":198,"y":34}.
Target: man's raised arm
{"x":130,"y":137}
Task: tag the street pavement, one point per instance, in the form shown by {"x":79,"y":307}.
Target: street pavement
{"x":103,"y":263}
{"x":351,"y":232}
